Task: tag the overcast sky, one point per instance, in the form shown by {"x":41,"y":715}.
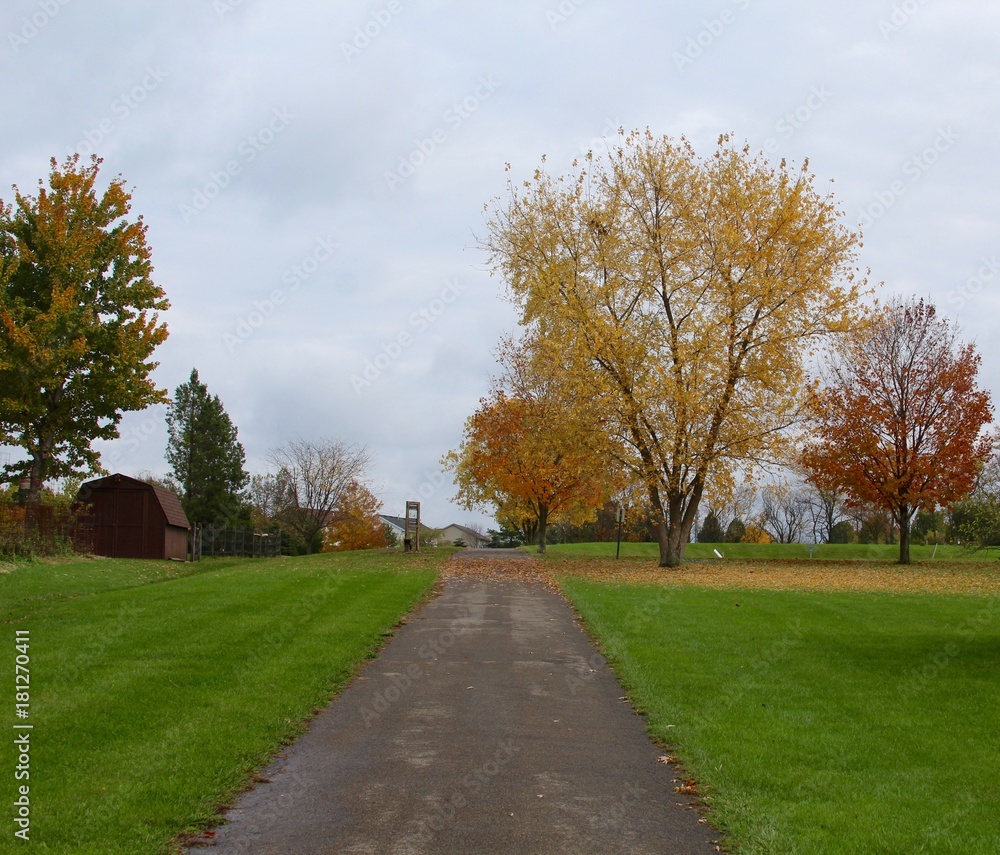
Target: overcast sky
{"x":313,"y":174}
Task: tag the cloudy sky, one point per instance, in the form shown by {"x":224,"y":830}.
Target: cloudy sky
{"x":313,"y":174}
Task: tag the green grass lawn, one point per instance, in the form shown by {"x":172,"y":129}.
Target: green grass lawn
{"x":824,"y":551}
{"x":818,"y":722}
{"x":157,"y":689}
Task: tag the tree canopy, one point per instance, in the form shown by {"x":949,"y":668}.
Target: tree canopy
{"x":78,"y":321}
{"x":312,"y":480}
{"x":529,"y":451}
{"x":204,"y":454}
{"x":681,"y":295}
{"x":899,"y":420}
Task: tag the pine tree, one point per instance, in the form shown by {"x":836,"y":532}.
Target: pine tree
{"x":204,"y":453}
{"x":711,"y":530}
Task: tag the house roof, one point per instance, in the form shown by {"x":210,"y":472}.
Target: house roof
{"x":466,"y":530}
{"x":398,"y":522}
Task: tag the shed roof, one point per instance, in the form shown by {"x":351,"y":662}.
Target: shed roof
{"x":169,"y":503}
{"x":171,"y":507}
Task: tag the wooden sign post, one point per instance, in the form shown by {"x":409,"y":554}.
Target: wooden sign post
{"x":411,"y":533}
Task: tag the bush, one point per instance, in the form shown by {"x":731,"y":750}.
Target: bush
{"x":736,"y":531}
{"x":37,"y":530}
{"x":842,"y":532}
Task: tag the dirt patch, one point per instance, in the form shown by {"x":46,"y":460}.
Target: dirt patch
{"x":980,"y":578}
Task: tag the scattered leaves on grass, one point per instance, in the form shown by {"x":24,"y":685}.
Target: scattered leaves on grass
{"x":952,"y":577}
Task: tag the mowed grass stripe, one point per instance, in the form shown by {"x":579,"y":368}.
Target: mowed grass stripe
{"x":154,"y":704}
{"x":819,"y":722}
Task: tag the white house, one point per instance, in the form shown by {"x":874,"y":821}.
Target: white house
{"x":396,"y":525}
{"x":472,"y":539}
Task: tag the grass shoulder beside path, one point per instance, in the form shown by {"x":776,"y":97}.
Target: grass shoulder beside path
{"x":158,"y":689}
{"x":859,"y":716}
{"x":782,"y":551}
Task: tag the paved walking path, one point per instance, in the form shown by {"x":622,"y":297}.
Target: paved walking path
{"x":488,"y":724}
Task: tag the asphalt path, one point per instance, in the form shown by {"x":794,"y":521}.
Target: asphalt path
{"x":489,"y":723}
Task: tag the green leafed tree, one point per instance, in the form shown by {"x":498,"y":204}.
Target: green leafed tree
{"x":78,"y":321}
{"x":204,"y":454}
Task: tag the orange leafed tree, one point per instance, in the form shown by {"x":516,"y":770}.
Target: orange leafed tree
{"x":530,"y":452}
{"x":899,"y":422}
{"x":356,"y":523}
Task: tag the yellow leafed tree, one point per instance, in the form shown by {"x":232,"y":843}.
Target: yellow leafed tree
{"x":680,"y":297}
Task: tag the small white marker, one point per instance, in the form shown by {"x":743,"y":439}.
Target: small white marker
{"x":717,"y":553}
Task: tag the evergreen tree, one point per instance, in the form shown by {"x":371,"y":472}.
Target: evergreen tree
{"x":736,"y":531}
{"x":711,"y":530}
{"x":204,"y":454}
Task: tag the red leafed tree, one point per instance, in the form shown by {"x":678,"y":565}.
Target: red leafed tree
{"x":899,"y":421}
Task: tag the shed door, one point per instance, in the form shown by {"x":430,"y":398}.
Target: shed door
{"x":130,"y":517}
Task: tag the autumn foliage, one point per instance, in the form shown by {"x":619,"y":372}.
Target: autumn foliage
{"x":356,"y":522}
{"x":79,"y":321}
{"x":680,"y":296}
{"x":899,"y":422}
{"x":529,"y":451}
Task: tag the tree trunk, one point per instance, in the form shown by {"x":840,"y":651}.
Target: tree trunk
{"x":36,"y":475}
{"x":673,"y":537}
{"x":671,"y":552}
{"x":543,"y":522}
{"x":674,"y":529}
{"x":904,"y":535}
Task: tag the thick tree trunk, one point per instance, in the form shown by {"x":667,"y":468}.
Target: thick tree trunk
{"x":543,"y":523}
{"x":674,"y":530}
{"x":37,"y":473}
{"x":671,"y":552}
{"x":904,"y":535}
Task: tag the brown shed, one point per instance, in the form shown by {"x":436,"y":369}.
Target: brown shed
{"x":133,"y":519}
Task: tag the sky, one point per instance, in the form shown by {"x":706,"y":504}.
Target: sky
{"x":313,"y":175}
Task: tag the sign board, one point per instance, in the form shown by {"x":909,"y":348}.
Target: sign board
{"x":411,"y":532}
